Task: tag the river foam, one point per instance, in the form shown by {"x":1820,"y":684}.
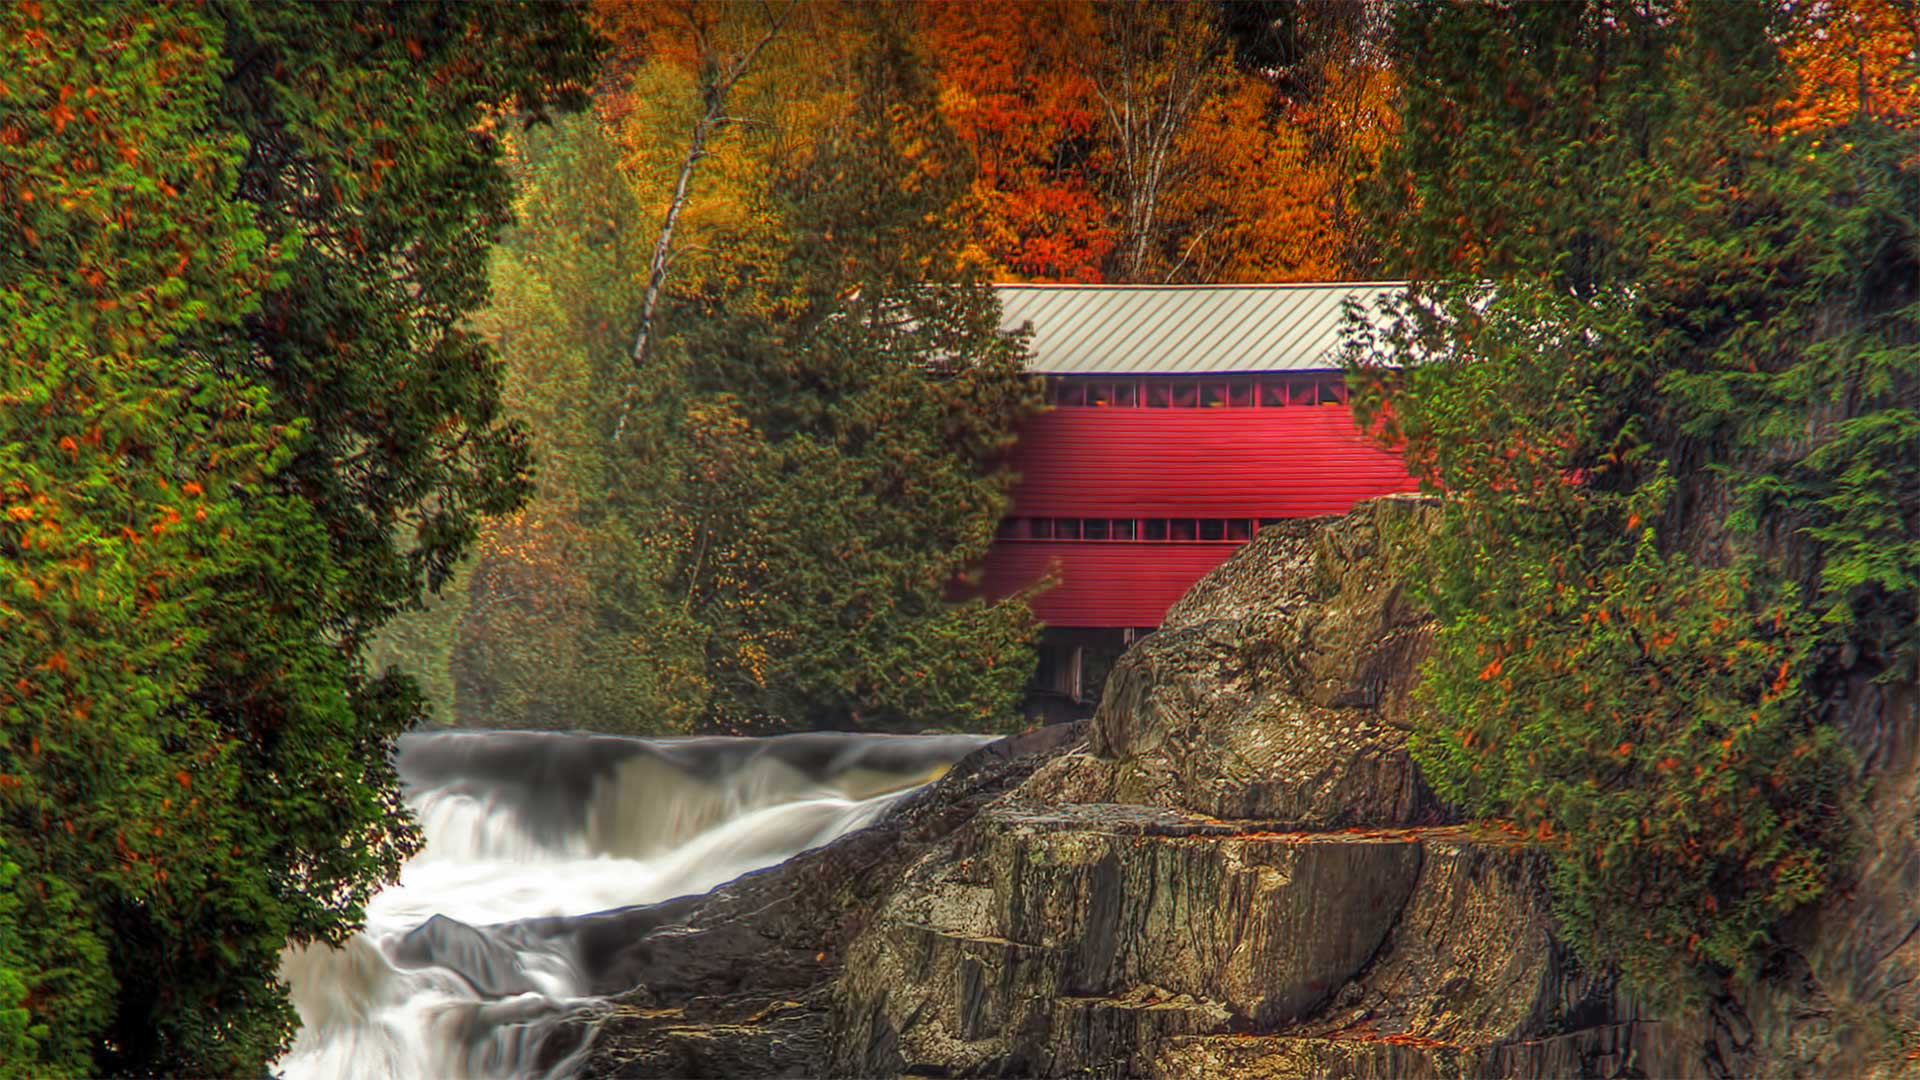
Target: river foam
{"x":445,"y":981}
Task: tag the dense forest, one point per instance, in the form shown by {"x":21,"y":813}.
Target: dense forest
{"x":746,"y":166}
{"x":631,"y":366}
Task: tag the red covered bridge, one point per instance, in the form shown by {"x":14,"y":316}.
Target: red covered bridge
{"x":1183,"y":418}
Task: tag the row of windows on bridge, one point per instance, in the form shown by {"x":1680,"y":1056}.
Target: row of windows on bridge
{"x":1163,"y":392}
{"x":1157,"y":530}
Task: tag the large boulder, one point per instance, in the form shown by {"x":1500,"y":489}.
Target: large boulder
{"x":1240,"y":872}
{"x":1276,"y":689}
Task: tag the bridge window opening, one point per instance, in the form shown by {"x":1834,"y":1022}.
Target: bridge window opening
{"x":1150,"y":530}
{"x":1186,"y":392}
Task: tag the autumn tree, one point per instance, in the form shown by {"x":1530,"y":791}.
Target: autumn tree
{"x":1164,"y":142}
{"x":1662,"y":365}
{"x":1854,"y":61}
{"x":771,"y":531}
{"x":1025,"y":109}
{"x":826,"y":453}
{"x":241,"y":424}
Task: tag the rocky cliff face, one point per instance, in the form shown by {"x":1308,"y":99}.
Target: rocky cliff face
{"x":1234,"y":870}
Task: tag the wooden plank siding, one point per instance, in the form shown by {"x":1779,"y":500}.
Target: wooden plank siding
{"x":1101,"y":583}
{"x":1199,"y":463}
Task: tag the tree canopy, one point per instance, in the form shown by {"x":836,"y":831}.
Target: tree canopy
{"x":767,"y":520}
{"x":1663,"y":365}
{"x":241,"y":423}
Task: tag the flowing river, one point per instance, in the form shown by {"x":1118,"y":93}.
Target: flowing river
{"x":463,"y":971}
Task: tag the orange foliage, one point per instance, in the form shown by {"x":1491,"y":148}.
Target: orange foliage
{"x":1257,"y":183}
{"x":1015,"y":96}
{"x":1860,"y":58}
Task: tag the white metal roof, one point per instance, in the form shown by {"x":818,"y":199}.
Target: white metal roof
{"x":1183,"y":329}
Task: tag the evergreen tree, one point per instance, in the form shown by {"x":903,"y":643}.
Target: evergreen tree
{"x":1664,"y":370}
{"x":240,"y":424}
{"x":823,"y":452}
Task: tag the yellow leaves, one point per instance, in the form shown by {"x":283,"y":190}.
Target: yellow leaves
{"x":20,"y":513}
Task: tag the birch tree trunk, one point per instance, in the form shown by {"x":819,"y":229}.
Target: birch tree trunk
{"x":1159,"y":63}
{"x":718,"y":76}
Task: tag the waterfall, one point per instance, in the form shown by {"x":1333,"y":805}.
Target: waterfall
{"x":451,"y":977}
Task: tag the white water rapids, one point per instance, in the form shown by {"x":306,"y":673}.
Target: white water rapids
{"x":523,"y":825}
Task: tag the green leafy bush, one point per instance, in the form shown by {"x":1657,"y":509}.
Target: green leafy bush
{"x":239,"y":426}
{"x":1671,"y":411}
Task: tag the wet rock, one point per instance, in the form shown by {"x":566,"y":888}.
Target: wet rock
{"x":492,"y":968}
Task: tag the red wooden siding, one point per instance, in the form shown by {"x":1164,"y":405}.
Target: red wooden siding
{"x":1166,"y":463}
{"x":1101,"y":583}
{"x":1288,"y":462}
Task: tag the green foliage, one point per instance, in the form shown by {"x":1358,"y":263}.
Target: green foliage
{"x":238,"y":427}
{"x":1675,"y":432}
{"x":813,"y":458}
{"x":827,"y":442}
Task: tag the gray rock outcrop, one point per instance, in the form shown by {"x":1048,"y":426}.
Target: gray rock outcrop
{"x":1233,"y":870}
